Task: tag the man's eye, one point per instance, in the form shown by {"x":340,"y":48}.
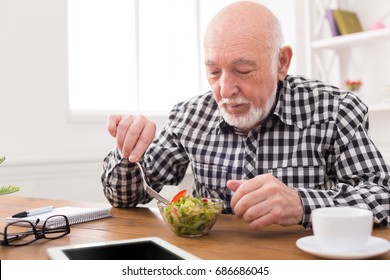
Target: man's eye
{"x":247,"y":72}
{"x":214,"y":73}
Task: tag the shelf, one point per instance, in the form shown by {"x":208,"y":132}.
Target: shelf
{"x":351,"y":39}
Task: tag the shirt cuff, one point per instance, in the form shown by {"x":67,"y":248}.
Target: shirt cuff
{"x":313,"y":199}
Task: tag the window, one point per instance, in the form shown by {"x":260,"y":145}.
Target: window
{"x":139,"y":56}
{"x":102,"y":62}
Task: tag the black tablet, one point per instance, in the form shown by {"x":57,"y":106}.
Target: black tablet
{"x":150,"y":248}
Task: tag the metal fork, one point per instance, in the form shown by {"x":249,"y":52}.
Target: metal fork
{"x":149,"y":190}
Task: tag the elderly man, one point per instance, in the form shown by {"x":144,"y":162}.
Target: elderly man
{"x":272,"y":146}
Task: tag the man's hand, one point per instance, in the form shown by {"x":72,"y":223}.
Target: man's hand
{"x":133,"y":134}
{"x":265,"y":200}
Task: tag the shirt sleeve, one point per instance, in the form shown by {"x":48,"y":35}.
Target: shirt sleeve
{"x":358,"y":171}
{"x":122,"y":181}
{"x":165,"y":163}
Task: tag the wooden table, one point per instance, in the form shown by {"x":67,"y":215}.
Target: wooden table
{"x":229,"y":239}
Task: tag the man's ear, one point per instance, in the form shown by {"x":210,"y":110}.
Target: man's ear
{"x":285,"y":56}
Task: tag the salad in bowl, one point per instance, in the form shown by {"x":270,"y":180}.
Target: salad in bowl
{"x":190,"y":216}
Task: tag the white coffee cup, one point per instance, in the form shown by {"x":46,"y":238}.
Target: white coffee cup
{"x":342,"y":229}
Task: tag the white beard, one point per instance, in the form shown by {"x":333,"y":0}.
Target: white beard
{"x":249,"y":120}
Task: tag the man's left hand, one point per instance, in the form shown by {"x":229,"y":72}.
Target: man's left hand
{"x":265,"y":200}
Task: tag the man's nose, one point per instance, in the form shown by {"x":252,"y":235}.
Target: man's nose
{"x":228,"y":86}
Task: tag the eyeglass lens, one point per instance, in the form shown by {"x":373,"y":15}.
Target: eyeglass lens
{"x":20,"y":233}
{"x":61,"y":227}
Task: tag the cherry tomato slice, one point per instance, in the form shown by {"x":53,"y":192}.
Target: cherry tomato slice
{"x":179,"y":195}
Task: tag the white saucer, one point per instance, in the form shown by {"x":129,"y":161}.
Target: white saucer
{"x":375,"y":247}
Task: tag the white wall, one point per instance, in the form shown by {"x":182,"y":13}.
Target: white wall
{"x":37,"y":136}
{"x":48,"y":153}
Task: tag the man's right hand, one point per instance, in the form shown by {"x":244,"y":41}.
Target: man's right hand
{"x":133,"y":134}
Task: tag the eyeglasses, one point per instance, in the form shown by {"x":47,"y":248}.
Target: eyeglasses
{"x":13,"y":236}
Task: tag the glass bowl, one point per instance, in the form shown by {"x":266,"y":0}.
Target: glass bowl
{"x":191,"y":217}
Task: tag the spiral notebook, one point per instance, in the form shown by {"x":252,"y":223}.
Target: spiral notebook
{"x":75,"y":215}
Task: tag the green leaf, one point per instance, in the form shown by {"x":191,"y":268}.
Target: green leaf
{"x":8,"y":189}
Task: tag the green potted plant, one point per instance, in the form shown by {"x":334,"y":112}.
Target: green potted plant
{"x":7,"y":189}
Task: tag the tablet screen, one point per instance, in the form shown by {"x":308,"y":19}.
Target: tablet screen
{"x":143,"y":250}
{"x":133,"y":249}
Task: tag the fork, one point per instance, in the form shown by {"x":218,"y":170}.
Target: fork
{"x":149,"y":190}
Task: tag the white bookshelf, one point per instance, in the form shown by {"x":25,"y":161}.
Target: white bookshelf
{"x":329,"y":58}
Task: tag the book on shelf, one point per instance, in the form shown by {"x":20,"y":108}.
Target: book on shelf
{"x":332,"y":22}
{"x":75,"y":215}
{"x":347,"y":22}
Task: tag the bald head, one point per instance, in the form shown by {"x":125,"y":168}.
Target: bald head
{"x":245,"y":19}
{"x":244,"y":61}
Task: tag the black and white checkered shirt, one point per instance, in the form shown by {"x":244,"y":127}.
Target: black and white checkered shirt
{"x":315,"y":140}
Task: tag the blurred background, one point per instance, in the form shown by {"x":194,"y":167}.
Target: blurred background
{"x":66,"y":65}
